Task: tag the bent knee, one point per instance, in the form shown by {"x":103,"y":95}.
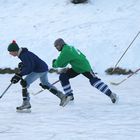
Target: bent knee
{"x":94,"y":80}
{"x":63,"y":76}
{"x":23,"y":83}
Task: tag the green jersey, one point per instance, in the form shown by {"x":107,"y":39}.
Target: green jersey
{"x":72,"y":56}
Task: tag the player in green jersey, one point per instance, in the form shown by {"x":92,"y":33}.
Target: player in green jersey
{"x":79,"y":65}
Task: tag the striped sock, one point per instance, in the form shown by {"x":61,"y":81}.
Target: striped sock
{"x":67,"y":89}
{"x":102,"y":87}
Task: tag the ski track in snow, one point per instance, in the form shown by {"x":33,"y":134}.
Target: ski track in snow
{"x":90,"y":116}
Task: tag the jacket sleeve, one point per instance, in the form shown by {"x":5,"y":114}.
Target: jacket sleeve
{"x":28,"y":65}
{"x":62,"y":61}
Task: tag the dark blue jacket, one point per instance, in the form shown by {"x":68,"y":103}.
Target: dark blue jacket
{"x":31,"y":63}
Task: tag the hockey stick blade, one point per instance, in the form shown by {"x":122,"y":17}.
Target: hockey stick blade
{"x":113,"y":83}
{"x":116,"y":84}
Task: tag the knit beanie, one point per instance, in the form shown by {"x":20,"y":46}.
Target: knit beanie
{"x":13,"y":47}
{"x":59,"y":42}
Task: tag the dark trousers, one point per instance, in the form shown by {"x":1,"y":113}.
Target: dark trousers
{"x":94,"y":81}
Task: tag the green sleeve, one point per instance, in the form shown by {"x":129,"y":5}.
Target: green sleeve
{"x":62,"y":60}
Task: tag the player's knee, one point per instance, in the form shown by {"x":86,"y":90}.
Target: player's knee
{"x":63,"y":77}
{"x":94,"y":80}
{"x":23,"y":83}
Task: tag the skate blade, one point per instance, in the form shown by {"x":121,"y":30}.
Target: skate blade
{"x":24,"y":111}
{"x":67,"y":100}
{"x":117,"y":100}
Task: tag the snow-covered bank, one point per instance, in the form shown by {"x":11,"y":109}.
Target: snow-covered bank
{"x":101,"y":29}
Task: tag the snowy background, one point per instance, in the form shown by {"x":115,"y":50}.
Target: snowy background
{"x":102,"y":29}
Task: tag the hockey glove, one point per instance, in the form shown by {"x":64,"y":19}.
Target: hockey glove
{"x":16,"y":78}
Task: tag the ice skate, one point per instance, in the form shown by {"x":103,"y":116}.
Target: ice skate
{"x":66,"y":99}
{"x":114,"y":98}
{"x":25,"y":107}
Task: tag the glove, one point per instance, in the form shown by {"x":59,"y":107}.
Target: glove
{"x":16,"y":78}
{"x":53,"y":70}
{"x":64,"y":70}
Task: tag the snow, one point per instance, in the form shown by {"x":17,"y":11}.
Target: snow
{"x":102,"y":30}
{"x":90,"y":116}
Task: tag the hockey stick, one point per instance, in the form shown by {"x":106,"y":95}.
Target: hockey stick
{"x":113,"y":83}
{"x":44,"y":89}
{"x":126,"y":50}
{"x":5,"y":90}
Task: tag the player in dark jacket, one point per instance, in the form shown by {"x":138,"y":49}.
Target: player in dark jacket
{"x":33,"y":67}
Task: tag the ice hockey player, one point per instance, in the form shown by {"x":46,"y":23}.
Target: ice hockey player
{"x":79,"y":65}
{"x":33,"y":67}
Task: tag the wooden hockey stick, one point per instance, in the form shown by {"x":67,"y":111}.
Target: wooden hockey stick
{"x":126,"y":50}
{"x":6,"y":90}
{"x":44,"y":89}
{"x":113,"y":83}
